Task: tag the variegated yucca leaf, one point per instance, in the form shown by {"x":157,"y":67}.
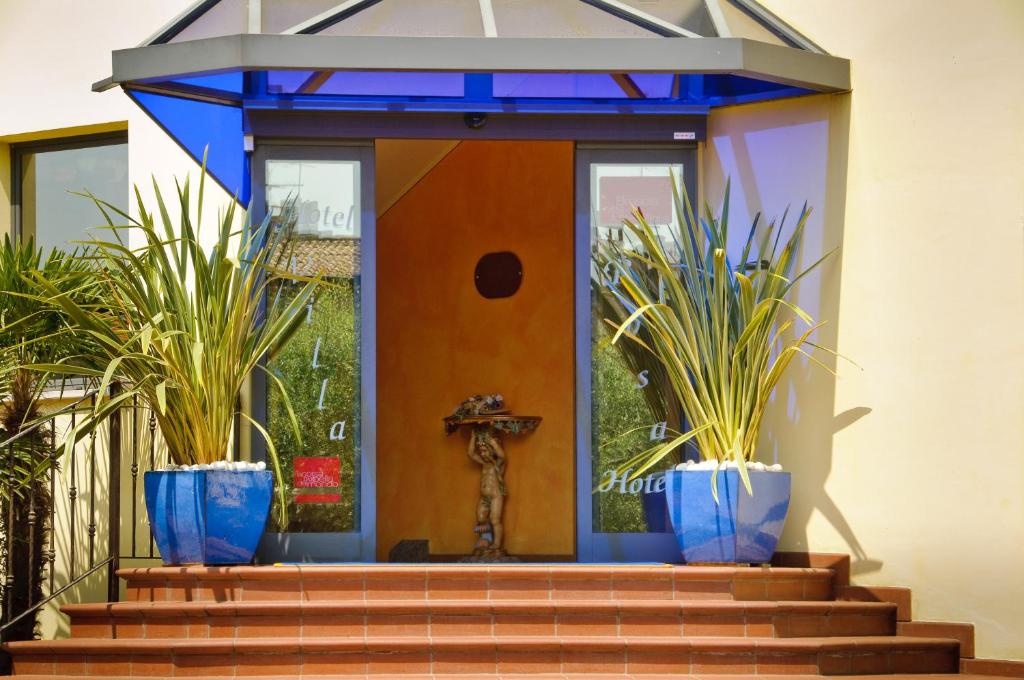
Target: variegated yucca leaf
{"x":183,"y":325}
{"x":715,"y":336}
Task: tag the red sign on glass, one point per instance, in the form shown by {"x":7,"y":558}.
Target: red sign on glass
{"x":318,"y":473}
{"x":618,"y":195}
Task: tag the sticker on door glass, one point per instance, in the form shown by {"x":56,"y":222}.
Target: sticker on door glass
{"x":322,"y":474}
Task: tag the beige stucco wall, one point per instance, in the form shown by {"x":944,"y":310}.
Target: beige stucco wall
{"x":914,"y":462}
{"x":52,"y":51}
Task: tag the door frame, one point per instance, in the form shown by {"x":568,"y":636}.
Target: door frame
{"x":358,"y":546}
{"x":594,"y":546}
{"x":292,"y":138}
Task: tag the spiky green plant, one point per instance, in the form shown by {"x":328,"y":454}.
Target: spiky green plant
{"x":722,"y":333}
{"x":183,"y":326}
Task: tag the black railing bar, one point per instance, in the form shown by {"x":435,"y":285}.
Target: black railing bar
{"x":9,"y":539}
{"x":135,"y":465}
{"x":31,"y":530}
{"x":114,"y":501}
{"x":72,"y":495}
{"x":86,"y":574}
{"x":152,"y":465}
{"x":91,"y":527}
{"x":52,"y":554}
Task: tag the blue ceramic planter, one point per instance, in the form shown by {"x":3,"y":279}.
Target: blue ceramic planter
{"x":740,"y":527}
{"x":655,"y":509}
{"x":208,"y":516}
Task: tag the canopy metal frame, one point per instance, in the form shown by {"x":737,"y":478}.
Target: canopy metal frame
{"x":802,"y":67}
{"x":204,"y":91}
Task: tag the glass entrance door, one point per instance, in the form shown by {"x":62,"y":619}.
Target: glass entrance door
{"x":328,"y":368}
{"x":620,"y":409}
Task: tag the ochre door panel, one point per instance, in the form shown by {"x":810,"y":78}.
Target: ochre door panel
{"x":440,"y":341}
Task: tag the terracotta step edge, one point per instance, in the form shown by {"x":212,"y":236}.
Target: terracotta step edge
{"x":258,"y":645}
{"x":319,"y":572}
{"x":989,"y":668}
{"x":901,"y":596}
{"x":550,"y":676}
{"x":964,"y":632}
{"x":538,"y":676}
{"x":484,"y":606}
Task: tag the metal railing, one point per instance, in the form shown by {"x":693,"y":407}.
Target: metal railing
{"x":61,"y":517}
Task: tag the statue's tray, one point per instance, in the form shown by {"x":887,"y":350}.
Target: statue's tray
{"x":501,"y":422}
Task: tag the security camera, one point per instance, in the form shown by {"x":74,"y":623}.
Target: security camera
{"x":475,"y":121}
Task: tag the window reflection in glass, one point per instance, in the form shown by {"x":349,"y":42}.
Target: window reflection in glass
{"x":622,"y":420}
{"x":49,"y":211}
{"x":320,"y":367}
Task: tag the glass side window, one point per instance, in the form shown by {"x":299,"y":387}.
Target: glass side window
{"x":629,"y":412}
{"x":47,"y":175}
{"x":321,"y":365}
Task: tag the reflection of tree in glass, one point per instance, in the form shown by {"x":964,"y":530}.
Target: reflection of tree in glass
{"x":333,"y":323}
{"x":618,"y":407}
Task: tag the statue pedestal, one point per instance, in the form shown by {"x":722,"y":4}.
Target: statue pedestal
{"x":486,"y":450}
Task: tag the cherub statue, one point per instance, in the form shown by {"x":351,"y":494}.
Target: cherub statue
{"x":481,"y":404}
{"x":486,"y":450}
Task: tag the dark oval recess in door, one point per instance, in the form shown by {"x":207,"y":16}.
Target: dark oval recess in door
{"x":498,"y":275}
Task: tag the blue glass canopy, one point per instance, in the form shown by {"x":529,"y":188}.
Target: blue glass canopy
{"x":206,"y":112}
{"x":204,"y":129}
{"x":199,"y":75}
{"x":450,"y":91}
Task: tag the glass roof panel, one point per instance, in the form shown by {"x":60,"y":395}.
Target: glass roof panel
{"x":286,"y":82}
{"x":227,"y":17}
{"x":438,"y":18}
{"x":513,"y":18}
{"x":226,"y":82}
{"x":465,"y":91}
{"x":719,"y":89}
{"x":742,"y":25}
{"x":394,"y":84}
{"x":557,"y":86}
{"x":654,"y":85}
{"x":561,"y":19}
{"x":277,"y":16}
{"x":690,"y":14}
{"x":368,"y":84}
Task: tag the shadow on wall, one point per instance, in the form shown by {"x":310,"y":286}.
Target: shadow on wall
{"x":777,"y":155}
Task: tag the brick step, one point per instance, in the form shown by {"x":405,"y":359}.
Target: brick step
{"x":901,"y":597}
{"x":557,"y":676}
{"x":482,"y":655}
{"x":498,"y":618}
{"x":448,"y":582}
